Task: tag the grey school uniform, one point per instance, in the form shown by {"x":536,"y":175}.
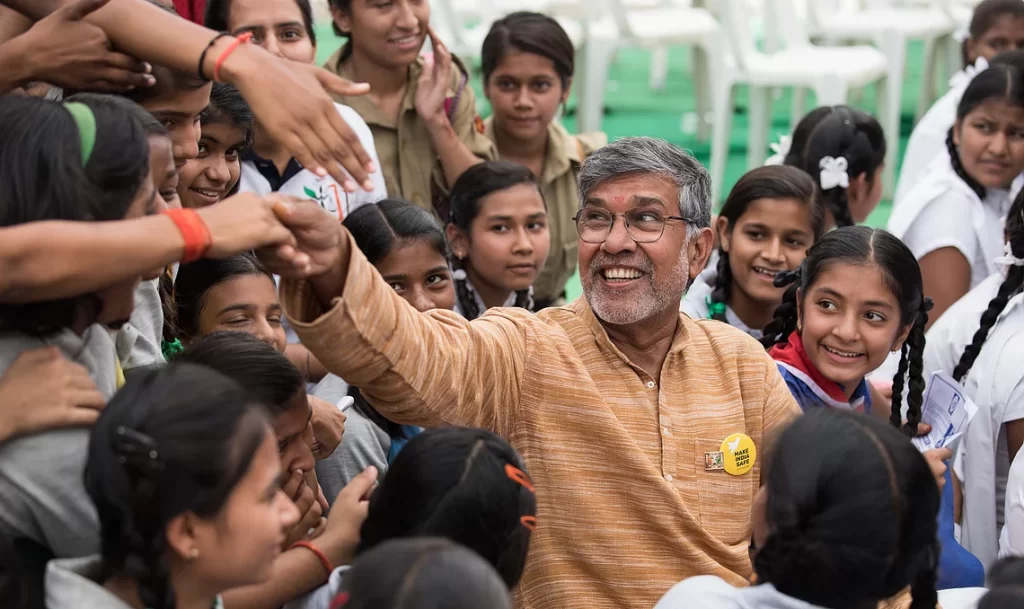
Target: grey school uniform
{"x":139,"y":341}
{"x":42,"y":493}
{"x":77,"y":583}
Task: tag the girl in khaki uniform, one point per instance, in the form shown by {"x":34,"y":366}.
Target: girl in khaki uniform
{"x":420,"y":110}
{"x":527,"y":68}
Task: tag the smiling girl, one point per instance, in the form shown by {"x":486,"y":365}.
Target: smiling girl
{"x":420,"y":109}
{"x":499,"y":237}
{"x":764,"y":228}
{"x":952,"y":219}
{"x":527,"y":62}
{"x":226,"y":132}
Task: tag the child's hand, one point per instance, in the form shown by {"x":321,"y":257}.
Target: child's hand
{"x":434,"y":81}
{"x":348,"y":512}
{"x":937,"y":458}
{"x":328,"y":427}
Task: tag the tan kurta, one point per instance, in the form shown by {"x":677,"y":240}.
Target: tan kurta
{"x":565,"y":155}
{"x":625,"y":506}
{"x":412,"y":170}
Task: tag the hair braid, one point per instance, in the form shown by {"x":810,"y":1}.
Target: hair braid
{"x":785,"y":320}
{"x":911,"y":364}
{"x":524,"y":300}
{"x":923,"y":588}
{"x":722,"y":286}
{"x":958,"y":168}
{"x":838,"y":203}
{"x":1011,"y":286}
{"x":896,"y":416}
{"x":464,"y":293}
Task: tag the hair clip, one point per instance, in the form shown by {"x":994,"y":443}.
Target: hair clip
{"x":529,"y":523}
{"x":130,"y":445}
{"x":518,"y":476}
{"x":833,"y":173}
{"x":927,"y":304}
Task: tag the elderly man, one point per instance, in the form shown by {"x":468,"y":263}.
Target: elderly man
{"x":639,"y":425}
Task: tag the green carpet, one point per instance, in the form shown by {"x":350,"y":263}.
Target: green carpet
{"x":636,"y":110}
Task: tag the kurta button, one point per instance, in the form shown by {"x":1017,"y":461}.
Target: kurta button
{"x":669,"y":477}
{"x":650,"y":384}
{"x":665,"y":431}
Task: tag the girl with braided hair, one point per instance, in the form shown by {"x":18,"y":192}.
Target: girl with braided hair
{"x":845,"y":518}
{"x":977,"y":343}
{"x":843,"y":149}
{"x":186,"y":480}
{"x":465,"y":485}
{"x":498,"y":231}
{"x":764,"y":228}
{"x":952,"y":219}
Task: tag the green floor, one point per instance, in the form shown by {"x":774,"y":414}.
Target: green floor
{"x":636,"y":110}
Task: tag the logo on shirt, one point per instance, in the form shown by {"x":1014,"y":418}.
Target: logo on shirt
{"x":328,"y":198}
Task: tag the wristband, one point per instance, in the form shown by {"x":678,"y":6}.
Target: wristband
{"x":242,"y":39}
{"x":195,"y":232}
{"x":202,"y":56}
{"x":326,"y":562}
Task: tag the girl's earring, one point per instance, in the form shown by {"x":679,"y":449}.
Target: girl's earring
{"x":193,"y":554}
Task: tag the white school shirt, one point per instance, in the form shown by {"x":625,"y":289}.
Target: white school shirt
{"x":996,"y":384}
{"x":1011,"y":541}
{"x":695,"y":301}
{"x":942,"y":211}
{"x":261,"y":177}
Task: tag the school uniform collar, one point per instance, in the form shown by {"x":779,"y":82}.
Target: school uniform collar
{"x":562,"y":153}
{"x":78,"y":583}
{"x":792,"y":356}
{"x":268,"y":170}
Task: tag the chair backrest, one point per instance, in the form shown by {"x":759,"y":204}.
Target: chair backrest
{"x":782,"y":14}
{"x":619,"y":14}
{"x":736,"y":23}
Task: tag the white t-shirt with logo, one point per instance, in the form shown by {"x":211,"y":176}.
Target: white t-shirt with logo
{"x":261,"y":177}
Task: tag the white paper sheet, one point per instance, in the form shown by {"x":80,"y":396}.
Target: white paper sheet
{"x":947,"y":410}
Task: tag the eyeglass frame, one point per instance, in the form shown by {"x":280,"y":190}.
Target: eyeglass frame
{"x":615,"y":216}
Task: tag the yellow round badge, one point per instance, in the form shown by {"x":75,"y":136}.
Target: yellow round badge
{"x":740,"y":454}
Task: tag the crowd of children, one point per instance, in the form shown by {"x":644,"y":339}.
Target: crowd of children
{"x":168,"y":442}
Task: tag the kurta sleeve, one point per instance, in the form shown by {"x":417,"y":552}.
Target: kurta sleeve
{"x":424,"y":369}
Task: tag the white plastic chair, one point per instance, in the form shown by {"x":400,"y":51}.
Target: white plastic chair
{"x":831,"y":72}
{"x":656,"y":28}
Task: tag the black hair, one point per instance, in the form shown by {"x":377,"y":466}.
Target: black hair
{"x":150,"y":125}
{"x":227,"y":106}
{"x":1012,"y":285}
{"x":427,"y":573}
{"x":844,"y":132}
{"x":195,"y":279}
{"x":172,"y":440}
{"x":1007,"y":597}
{"x":842,"y":536}
{"x":344,"y":6}
{"x":467,"y":485}
{"x":218,"y":12}
{"x":985,"y":16}
{"x":42,"y":178}
{"x":772,"y":182}
{"x":528,"y":32}
{"x":378,"y":228}
{"x":1000,"y":81}
{"x":466,"y":200}
{"x":1007,"y":571}
{"x":901,"y":273}
{"x":266,"y":375}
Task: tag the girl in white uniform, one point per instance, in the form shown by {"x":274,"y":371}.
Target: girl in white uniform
{"x":765,"y":227}
{"x":953,"y":218}
{"x":843,"y":149}
{"x":996,"y":27}
{"x":981,"y":344}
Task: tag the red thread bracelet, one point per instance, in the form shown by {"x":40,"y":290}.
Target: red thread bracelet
{"x":195,"y":232}
{"x":242,"y":39}
{"x":326,"y":562}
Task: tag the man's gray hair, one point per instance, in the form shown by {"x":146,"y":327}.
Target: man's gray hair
{"x":648,"y":155}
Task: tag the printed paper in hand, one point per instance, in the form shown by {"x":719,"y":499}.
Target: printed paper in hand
{"x":947,"y":410}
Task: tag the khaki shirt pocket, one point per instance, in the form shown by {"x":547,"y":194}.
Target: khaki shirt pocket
{"x":725,"y":500}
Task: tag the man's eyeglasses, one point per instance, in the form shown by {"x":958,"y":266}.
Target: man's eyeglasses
{"x":594,"y":224}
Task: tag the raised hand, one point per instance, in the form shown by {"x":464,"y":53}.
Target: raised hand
{"x":65,"y":50}
{"x":433,"y":83}
{"x":328,"y":427}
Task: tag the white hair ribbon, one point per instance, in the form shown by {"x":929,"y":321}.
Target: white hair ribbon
{"x":833,"y":173}
{"x":781,"y":150}
{"x":1008,"y":260}
{"x":961,"y":79}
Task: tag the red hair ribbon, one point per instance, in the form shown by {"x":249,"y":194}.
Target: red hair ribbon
{"x":518,"y":476}
{"x":529,"y":522}
{"x":340,"y":601}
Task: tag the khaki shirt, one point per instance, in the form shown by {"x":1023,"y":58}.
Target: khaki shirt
{"x":411,"y":167}
{"x":626,"y":506}
{"x":565,"y":155}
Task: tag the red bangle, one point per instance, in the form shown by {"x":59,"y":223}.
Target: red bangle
{"x":326,"y":562}
{"x":194,"y":230}
{"x":242,"y":39}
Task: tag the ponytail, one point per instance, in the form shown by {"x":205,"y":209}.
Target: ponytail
{"x":466,"y":295}
{"x":912,"y":361}
{"x":785,"y":321}
{"x":721,"y":287}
